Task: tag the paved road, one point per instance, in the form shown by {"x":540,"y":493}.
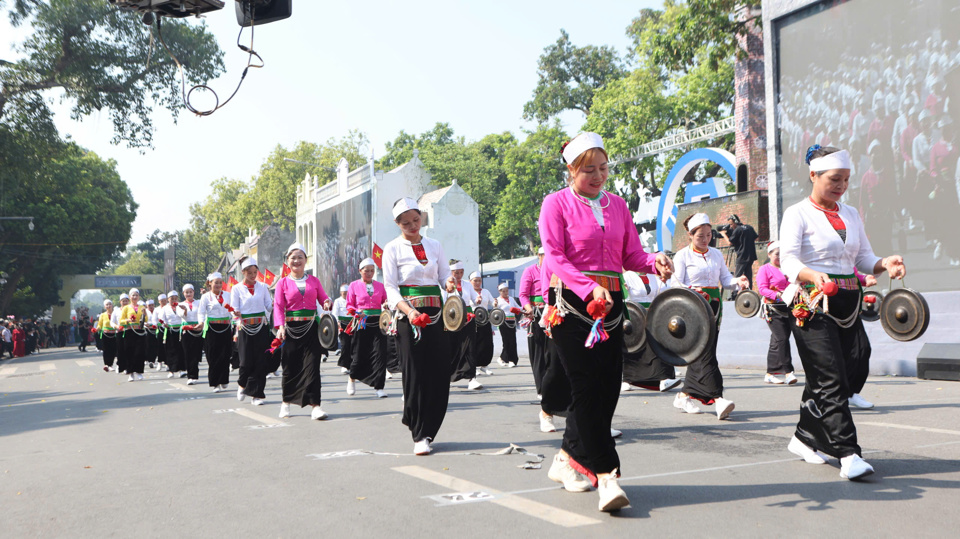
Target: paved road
{"x":84,"y":453}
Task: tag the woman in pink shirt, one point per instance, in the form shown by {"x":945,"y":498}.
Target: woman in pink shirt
{"x":298,"y":298}
{"x":771,"y":282}
{"x":365,"y":300}
{"x":589,"y":238}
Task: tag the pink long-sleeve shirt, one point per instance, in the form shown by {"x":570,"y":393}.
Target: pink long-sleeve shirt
{"x":287,"y":297}
{"x":529,"y":284}
{"x":771,"y":280}
{"x":575,"y":242}
{"x":358,"y":298}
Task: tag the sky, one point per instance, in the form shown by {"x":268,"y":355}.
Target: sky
{"x":378,"y":66}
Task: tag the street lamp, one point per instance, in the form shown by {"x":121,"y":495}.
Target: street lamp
{"x":29,"y":225}
{"x":331,"y":169}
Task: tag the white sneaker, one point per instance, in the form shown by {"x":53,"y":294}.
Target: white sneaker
{"x":351,"y":387}
{"x":859,"y":402}
{"x":474,"y":384}
{"x":284,"y":410}
{"x":381,"y":394}
{"x":131,"y":378}
{"x":546,"y":423}
{"x":614,"y":433}
{"x":171,"y":375}
{"x":772,"y":379}
{"x":159,"y":367}
{"x":612,"y":497}
{"x":389,"y":375}
{"x":258,"y":402}
{"x":318,"y":413}
{"x":572,"y":480}
{"x":240,"y":395}
{"x":624,"y":386}
{"x":685,"y":404}
{"x":216,"y":389}
{"x":422,"y":447}
{"x":139,"y":376}
{"x":344,"y":370}
{"x":192,"y":381}
{"x":501,"y":362}
{"x":271,"y":375}
{"x":804,"y":451}
{"x":724,"y":407}
{"x":854,"y":467}
{"x":669,"y":383}
{"x":511,"y":365}
{"x":486,"y":371}
{"x":790,"y":379}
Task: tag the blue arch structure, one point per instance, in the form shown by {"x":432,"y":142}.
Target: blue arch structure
{"x":710,"y":188}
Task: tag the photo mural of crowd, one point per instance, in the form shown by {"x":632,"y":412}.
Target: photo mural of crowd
{"x":891,"y":103}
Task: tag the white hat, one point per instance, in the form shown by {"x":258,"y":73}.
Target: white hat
{"x":540,"y":251}
{"x":150,"y":302}
{"x":404,"y":204}
{"x":161,"y":297}
{"x":124,"y":296}
{"x":173,"y":293}
{"x":367,"y":262}
{"x":872,"y":145}
{"x":475,"y":275}
{"x":215,"y":275}
{"x":456,"y":266}
{"x":187,"y":286}
{"x":580,"y":144}
{"x":503,"y":286}
{"x":141,"y":303}
{"x":107,"y":302}
{"x":698,"y":219}
{"x":344,"y":288}
{"x":247,"y":262}
{"x":293,"y":246}
{"x":132,"y":290}
{"x":835,"y":160}
{"x":773,"y":246}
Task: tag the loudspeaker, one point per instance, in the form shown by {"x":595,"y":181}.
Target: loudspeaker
{"x":250,"y":12}
{"x":939,"y":362}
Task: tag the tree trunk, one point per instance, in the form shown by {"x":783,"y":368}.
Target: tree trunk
{"x":13,"y":280}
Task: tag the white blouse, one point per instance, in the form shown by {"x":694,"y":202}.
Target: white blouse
{"x":639,"y":291}
{"x":708,"y":269}
{"x":258,"y":302}
{"x":188,"y":311}
{"x":169,"y":316}
{"x":505,"y":305}
{"x":807,"y":239}
{"x":467,"y":292}
{"x":401,"y":267}
{"x":209,"y":307}
{"x":340,"y":307}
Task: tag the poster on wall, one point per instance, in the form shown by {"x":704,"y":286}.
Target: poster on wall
{"x":880,"y":78}
{"x":343,"y":240}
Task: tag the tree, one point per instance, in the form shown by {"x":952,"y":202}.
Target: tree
{"x":534,"y":170}
{"x":217,"y":217}
{"x":101,"y":58}
{"x":83,"y":214}
{"x":569,"y":76}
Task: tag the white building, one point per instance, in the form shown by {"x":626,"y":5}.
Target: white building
{"x":340,"y":222}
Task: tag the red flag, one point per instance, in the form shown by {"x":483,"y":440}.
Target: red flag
{"x":227,"y":286}
{"x":268,"y":277}
{"x":285,"y":271}
{"x":260,"y":276}
{"x":378,"y":255}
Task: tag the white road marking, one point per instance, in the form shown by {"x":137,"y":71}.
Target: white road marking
{"x":48,"y":367}
{"x":249,"y":414}
{"x":910,"y":427}
{"x":527,"y":507}
{"x":85,"y":363}
{"x":182,"y":387}
{"x":7,"y":370}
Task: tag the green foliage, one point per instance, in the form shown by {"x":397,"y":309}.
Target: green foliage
{"x":102,"y":58}
{"x":83,"y":213}
{"x":568,"y":77}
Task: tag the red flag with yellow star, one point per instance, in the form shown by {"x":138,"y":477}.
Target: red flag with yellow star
{"x":268,"y":277}
{"x":285,"y":271}
{"x":378,"y":255}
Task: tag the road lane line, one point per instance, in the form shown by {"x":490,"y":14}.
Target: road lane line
{"x":531,"y":508}
{"x":910,"y":427}
{"x":258,"y":417}
{"x":48,"y":367}
{"x":85,"y":363}
{"x":7,"y":370}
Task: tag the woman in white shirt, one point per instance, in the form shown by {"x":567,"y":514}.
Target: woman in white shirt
{"x":214,"y":315}
{"x":413,"y":269}
{"x":702,"y":268}
{"x":821,"y":243}
{"x":251,"y":301}
{"x":643,"y":368}
{"x":508,"y":329}
{"x":191,"y":334}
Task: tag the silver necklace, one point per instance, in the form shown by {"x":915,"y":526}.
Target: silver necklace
{"x":588,"y":202}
